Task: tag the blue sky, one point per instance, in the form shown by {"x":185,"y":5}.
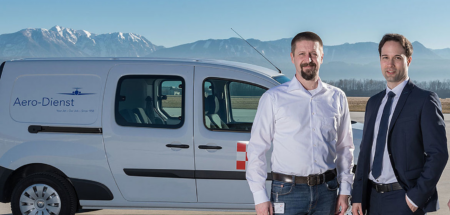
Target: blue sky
{"x":173,"y":22}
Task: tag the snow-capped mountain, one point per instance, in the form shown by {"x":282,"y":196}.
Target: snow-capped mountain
{"x":66,"y":42}
{"x":345,"y":61}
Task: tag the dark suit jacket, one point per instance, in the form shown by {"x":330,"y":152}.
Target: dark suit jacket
{"x":417,"y":146}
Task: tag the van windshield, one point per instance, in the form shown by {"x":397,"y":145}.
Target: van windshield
{"x":281,"y":79}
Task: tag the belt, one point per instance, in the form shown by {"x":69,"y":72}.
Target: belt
{"x":383,"y":188}
{"x":310,"y":180}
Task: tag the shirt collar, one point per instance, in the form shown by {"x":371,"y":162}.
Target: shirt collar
{"x":398,"y":89}
{"x":296,"y":85}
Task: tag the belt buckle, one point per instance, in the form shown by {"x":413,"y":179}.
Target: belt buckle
{"x":376,"y":188}
{"x":315,"y":181}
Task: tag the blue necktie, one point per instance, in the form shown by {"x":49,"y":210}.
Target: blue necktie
{"x":381,"y":138}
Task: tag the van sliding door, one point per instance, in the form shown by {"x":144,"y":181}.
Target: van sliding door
{"x":147,"y":130}
{"x":225,"y":106}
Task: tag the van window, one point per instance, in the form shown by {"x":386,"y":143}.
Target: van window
{"x":230,"y":105}
{"x":172,"y":104}
{"x":207,"y":88}
{"x":150,"y":101}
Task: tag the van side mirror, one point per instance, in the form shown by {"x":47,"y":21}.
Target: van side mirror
{"x":163,"y":97}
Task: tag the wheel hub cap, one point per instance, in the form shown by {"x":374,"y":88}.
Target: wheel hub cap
{"x":40,"y":199}
{"x":40,"y":204}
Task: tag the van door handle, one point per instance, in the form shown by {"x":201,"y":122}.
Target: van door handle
{"x":209,"y":147}
{"x":181,"y":146}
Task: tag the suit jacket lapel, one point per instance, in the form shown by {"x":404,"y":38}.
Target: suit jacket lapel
{"x":401,"y":102}
{"x":373,"y":117}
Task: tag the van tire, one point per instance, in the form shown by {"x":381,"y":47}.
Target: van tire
{"x":51,"y":182}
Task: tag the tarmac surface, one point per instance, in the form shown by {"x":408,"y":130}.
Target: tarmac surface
{"x":443,"y":191}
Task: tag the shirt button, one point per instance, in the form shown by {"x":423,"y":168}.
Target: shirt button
{"x":314,"y":129}
{"x":312,"y":113}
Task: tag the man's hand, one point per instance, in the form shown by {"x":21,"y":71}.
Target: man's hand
{"x":342,"y":203}
{"x":411,"y":206}
{"x":264,"y":208}
{"x":357,"y":209}
{"x":448,"y":204}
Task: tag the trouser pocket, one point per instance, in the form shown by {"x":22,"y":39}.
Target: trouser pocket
{"x":332,"y":184}
{"x":281,"y":188}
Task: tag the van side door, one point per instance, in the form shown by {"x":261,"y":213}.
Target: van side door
{"x":147,"y":131}
{"x":225,"y":106}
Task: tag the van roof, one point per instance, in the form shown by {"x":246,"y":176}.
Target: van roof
{"x":206,"y":62}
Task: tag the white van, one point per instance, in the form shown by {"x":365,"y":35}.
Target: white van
{"x":128,"y":133}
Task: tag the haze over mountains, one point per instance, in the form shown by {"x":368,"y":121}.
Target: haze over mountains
{"x":346,"y":61}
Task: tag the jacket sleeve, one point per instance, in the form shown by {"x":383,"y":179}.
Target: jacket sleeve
{"x":357,"y":192}
{"x":435,"y":145}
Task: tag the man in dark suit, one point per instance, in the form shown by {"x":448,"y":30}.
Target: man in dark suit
{"x":404,"y":148}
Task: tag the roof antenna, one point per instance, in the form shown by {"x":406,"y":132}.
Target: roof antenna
{"x":256,"y":50}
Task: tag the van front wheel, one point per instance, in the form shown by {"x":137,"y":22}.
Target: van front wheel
{"x":43,"y":193}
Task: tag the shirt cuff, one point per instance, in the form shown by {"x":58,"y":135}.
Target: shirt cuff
{"x":345,"y":189}
{"x":260,"y":197}
{"x":410,"y":201}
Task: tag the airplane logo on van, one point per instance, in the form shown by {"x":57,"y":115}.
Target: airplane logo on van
{"x":77,"y":92}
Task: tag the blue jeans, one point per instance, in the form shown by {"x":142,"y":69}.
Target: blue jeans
{"x":303,"y":199}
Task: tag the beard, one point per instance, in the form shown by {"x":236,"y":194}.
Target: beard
{"x":399,"y":76}
{"x":308,"y":74}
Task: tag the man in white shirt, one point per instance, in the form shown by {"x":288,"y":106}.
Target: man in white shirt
{"x":308,"y":123}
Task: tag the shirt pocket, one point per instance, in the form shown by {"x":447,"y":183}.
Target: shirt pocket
{"x":328,"y":129}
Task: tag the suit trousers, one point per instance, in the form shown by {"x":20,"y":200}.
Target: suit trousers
{"x":390,"y":203}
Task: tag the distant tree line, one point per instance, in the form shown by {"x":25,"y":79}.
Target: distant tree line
{"x":369,"y":87}
{"x":351,"y":87}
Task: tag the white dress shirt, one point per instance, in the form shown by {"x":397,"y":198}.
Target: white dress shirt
{"x":387,"y":172}
{"x":310,"y":132}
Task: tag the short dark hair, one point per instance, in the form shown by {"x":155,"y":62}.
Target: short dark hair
{"x":407,"y":46}
{"x":307,"y":35}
